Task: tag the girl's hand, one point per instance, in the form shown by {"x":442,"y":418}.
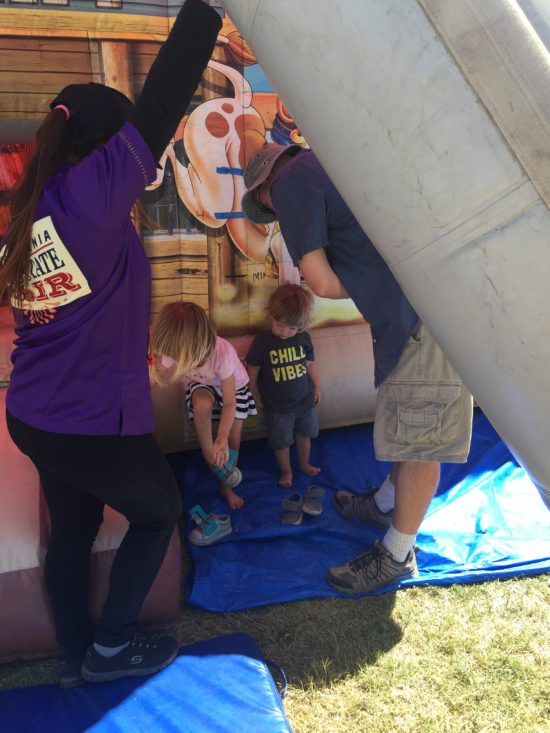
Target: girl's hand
{"x":221,"y":451}
{"x":317,"y":393}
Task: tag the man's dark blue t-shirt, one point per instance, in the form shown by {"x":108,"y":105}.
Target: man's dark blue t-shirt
{"x":313,"y":215}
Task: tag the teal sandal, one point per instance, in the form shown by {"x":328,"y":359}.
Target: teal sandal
{"x":210,"y":528}
{"x":228,"y":474}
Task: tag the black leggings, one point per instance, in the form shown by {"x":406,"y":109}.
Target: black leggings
{"x":79,"y":475}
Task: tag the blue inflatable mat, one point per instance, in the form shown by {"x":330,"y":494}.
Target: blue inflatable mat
{"x":487,"y":521}
{"x":216,"y":686}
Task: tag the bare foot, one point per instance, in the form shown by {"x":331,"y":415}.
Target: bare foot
{"x":286,"y":479}
{"x":234,"y":501}
{"x":310,"y":470}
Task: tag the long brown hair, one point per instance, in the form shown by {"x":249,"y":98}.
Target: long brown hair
{"x":52,"y":150}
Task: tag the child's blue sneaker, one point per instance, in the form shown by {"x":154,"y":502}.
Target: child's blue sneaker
{"x":228,"y":474}
{"x":210,"y":528}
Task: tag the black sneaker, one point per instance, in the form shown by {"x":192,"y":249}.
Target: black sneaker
{"x":71,"y":663}
{"x":140,"y":657}
{"x":363,"y":507}
{"x":374,"y":569}
{"x":69,"y":672}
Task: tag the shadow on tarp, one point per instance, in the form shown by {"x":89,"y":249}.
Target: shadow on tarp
{"x":217,"y":686}
{"x":487,"y":521}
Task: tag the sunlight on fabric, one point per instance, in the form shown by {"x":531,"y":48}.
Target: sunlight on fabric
{"x":538,"y":14}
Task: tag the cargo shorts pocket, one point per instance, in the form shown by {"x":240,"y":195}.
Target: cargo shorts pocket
{"x":423,"y":414}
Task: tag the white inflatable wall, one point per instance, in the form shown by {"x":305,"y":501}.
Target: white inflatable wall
{"x":433,"y":182}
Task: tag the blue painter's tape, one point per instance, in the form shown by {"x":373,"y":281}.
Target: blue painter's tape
{"x":230,"y":171}
{"x":229,"y":215}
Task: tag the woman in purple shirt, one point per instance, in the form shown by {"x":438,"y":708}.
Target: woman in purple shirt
{"x":79,"y":402}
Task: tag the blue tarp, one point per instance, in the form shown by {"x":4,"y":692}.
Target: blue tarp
{"x":487,"y":521}
{"x":217,"y":686}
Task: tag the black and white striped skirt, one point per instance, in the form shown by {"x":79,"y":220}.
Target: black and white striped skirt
{"x":246,"y":406}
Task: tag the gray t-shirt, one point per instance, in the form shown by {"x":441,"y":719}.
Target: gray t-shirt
{"x":312,"y":215}
{"x":283,"y":381}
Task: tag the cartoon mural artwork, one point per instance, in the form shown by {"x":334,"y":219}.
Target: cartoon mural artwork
{"x":13,"y":159}
{"x":217,"y":140}
{"x":285,"y":131}
{"x":200,"y":244}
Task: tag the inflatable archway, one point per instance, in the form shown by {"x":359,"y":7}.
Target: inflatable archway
{"x":432,"y":118}
{"x":434,"y":168}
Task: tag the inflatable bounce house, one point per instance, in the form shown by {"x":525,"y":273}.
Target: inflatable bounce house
{"x":432,"y":119}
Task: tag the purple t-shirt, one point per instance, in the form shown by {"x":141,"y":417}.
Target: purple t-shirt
{"x":80,"y":357}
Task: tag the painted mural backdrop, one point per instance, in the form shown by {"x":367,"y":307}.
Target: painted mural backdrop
{"x":201,"y":246}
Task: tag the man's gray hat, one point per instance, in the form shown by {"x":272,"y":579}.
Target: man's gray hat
{"x":257,"y":170}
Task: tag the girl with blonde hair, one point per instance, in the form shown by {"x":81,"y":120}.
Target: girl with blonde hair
{"x":186,"y":348}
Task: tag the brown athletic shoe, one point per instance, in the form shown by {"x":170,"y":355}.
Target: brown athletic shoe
{"x":363,"y":507}
{"x":374,"y":569}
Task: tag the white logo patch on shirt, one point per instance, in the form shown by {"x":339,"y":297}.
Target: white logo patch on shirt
{"x":54,"y":278}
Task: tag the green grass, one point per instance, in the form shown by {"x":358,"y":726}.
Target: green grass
{"x":458,"y":659}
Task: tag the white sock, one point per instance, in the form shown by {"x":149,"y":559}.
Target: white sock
{"x":398,"y":543}
{"x":385,"y":496}
{"x":109,"y":651}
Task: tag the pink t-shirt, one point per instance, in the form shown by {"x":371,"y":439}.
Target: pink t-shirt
{"x":223,"y":363}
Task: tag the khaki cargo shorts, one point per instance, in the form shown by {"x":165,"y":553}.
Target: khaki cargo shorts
{"x":423,"y":411}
